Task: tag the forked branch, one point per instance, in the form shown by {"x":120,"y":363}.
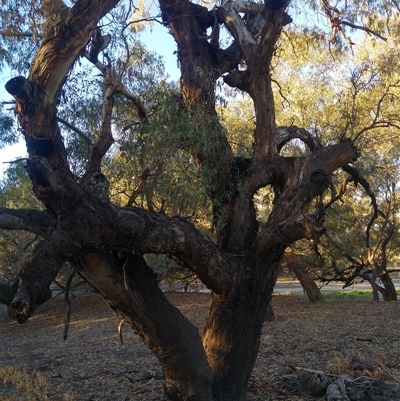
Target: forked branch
{"x":333,"y":14}
{"x":99,"y":149}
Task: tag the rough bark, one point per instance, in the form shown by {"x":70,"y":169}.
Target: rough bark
{"x":389,"y":294}
{"x":25,"y":219}
{"x":232,"y":331}
{"x":135,"y":297}
{"x":307,"y":282}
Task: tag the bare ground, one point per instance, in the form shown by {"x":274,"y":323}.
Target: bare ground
{"x":91,"y":365}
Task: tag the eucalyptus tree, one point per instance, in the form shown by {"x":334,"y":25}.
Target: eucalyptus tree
{"x":107,"y":242}
{"x":355,"y":96}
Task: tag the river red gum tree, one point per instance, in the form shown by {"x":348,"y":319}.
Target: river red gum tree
{"x":106,"y":242}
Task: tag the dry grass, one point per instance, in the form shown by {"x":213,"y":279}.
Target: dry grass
{"x":92,"y":366}
{"x":28,"y":386}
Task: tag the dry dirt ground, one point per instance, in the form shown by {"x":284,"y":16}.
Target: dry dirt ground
{"x":91,"y":365}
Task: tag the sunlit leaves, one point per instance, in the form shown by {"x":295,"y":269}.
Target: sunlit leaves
{"x":342,"y":93}
{"x":237,"y":116}
{"x":158,"y":151}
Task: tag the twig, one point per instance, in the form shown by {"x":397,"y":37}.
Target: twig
{"x":362,"y":28}
{"x":121,"y":323}
{"x":124,"y":272}
{"x":23,"y":159}
{"x":31,"y":242}
{"x":332,"y":375}
{"x":77,"y":130}
{"x":285,"y":99}
{"x":313,"y":371}
{"x":148,"y":19}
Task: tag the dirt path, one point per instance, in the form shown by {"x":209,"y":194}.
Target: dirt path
{"x":91,"y":365}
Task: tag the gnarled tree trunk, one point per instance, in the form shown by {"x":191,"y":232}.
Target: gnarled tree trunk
{"x":306,"y":281}
{"x":107,"y":242}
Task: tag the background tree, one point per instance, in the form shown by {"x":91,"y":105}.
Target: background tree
{"x":361,"y":104}
{"x":106,"y":241}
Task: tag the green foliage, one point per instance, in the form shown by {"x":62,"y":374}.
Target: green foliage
{"x":318,"y":17}
{"x":20,"y":23}
{"x":7,"y":133}
{"x":160,"y":149}
{"x":237,"y":117}
{"x":346,"y":93}
{"x":321,"y":83}
{"x":16,"y":188}
{"x":15,"y":192}
{"x":82,"y":112}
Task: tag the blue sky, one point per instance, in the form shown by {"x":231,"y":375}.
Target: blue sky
{"x":159,"y":40}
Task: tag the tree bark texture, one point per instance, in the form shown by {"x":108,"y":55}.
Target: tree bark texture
{"x":306,"y":281}
{"x":107,"y":242}
{"x":136,"y":298}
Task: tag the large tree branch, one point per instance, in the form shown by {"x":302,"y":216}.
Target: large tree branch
{"x":286,"y":134}
{"x":229,"y":13}
{"x":275,"y":19}
{"x":199,"y":66}
{"x":238,"y":79}
{"x":260,"y":88}
{"x":30,"y":220}
{"x":136,"y":299}
{"x":303,"y":180}
{"x":54,"y":58}
{"x":157,"y":233}
{"x":37,"y":273}
{"x":257,"y":177}
{"x":99,"y":149}
{"x":90,"y":226}
{"x":228,"y":59}
{"x":55,"y":188}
